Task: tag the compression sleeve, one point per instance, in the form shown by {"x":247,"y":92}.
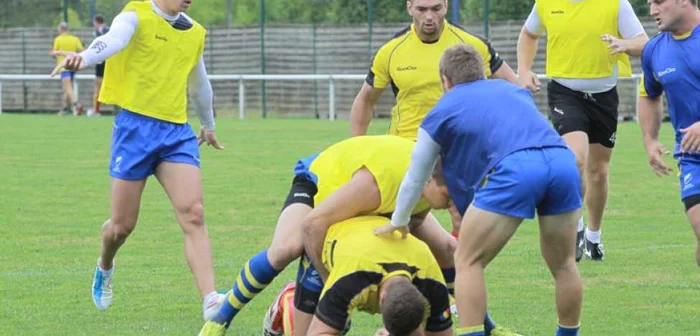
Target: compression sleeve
{"x":423,"y":159}
{"x":123,"y":28}
{"x":202,"y":95}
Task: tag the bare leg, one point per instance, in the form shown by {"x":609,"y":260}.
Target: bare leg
{"x":557,"y":234}
{"x":183,"y":184}
{"x":126,"y":201}
{"x":482,"y":235}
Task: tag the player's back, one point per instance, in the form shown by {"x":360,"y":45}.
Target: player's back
{"x":352,"y":251}
{"x":478,"y":123}
{"x":675,"y":63}
{"x":386,"y":156}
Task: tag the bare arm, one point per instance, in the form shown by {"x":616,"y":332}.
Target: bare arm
{"x":362,"y":108}
{"x":526,"y":50}
{"x":650,"y":115}
{"x":635,"y":45}
{"x":506,"y":72}
{"x":359,"y":195}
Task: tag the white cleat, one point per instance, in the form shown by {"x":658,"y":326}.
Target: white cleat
{"x":102,"y":287}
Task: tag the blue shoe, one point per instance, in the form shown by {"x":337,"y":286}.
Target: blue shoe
{"x":102,"y":287}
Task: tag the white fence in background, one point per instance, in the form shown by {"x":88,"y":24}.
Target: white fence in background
{"x":330,"y":79}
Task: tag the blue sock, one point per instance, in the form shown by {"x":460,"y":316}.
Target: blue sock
{"x":471,"y":331}
{"x":449,"y":275}
{"x":254,"y":277}
{"x":567,"y":331}
{"x":489,"y":324}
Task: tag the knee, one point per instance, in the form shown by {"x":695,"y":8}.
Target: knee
{"x":193,"y":215}
{"x":119,"y":228}
{"x":281,"y":256}
{"x":597,"y":173}
{"x":464,"y":259}
{"x":449,"y":254}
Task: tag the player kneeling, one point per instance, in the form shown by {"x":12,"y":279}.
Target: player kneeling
{"x":380,"y":274}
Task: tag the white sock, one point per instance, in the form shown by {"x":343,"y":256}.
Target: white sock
{"x":580,"y":224}
{"x":593,"y":236}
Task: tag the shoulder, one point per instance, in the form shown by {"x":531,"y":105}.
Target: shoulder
{"x":397,"y":39}
{"x":652,"y":44}
{"x":466,"y":35}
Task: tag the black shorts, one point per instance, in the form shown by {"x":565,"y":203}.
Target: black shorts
{"x":100,"y":70}
{"x":595,"y":114}
{"x":303,"y":191}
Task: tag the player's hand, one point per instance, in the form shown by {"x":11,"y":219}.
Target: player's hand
{"x":617,"y":45}
{"x":382,"y":332}
{"x":390,"y":228}
{"x":691,"y":139}
{"x":210,"y":138}
{"x":654,"y":152}
{"x":72,"y":62}
{"x":529,"y":81}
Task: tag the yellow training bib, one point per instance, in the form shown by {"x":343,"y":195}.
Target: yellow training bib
{"x":149,"y":76}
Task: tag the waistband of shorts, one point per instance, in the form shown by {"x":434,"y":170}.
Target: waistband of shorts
{"x":139,"y":116}
{"x":558,"y":86}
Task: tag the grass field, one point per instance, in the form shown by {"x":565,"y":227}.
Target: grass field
{"x":54,"y":195}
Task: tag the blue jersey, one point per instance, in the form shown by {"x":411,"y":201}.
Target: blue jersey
{"x":476,"y":124}
{"x":672,"y":65}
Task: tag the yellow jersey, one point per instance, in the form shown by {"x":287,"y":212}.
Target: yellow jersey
{"x":385,"y":156}
{"x":149,"y":76}
{"x":411,"y":67}
{"x":574,"y":45}
{"x":360,"y":261}
{"x":66,"y":42}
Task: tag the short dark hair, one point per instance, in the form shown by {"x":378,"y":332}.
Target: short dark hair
{"x":461,"y":63}
{"x":403,"y":309}
{"x":99,"y":19}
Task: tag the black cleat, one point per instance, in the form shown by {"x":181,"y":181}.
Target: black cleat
{"x":579,"y":245}
{"x":594,"y":252}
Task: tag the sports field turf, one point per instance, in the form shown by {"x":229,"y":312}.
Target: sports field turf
{"x":54,"y":195}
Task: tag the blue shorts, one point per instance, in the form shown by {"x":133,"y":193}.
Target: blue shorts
{"x":545,"y":179}
{"x":140,"y":143}
{"x":689,"y":167}
{"x":67,"y":74}
{"x":303,"y":168}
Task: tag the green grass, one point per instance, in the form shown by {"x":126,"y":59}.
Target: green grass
{"x":54,"y":196}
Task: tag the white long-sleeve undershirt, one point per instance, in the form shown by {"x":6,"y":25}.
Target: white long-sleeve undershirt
{"x":122,"y":29}
{"x":423,"y":159}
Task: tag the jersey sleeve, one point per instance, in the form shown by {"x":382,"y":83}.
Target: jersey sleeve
{"x":492,"y":60}
{"x":628,"y":23}
{"x":438,"y":298}
{"x":341,"y":294}
{"x":533,"y":24}
{"x":378,"y":76}
{"x":649,"y":86}
{"x":79,"y":45}
{"x":55,"y":44}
